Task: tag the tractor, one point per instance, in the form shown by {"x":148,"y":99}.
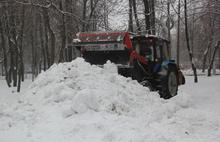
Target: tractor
{"x":145,"y":58}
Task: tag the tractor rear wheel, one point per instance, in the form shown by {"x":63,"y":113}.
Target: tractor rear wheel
{"x":169,"y":84}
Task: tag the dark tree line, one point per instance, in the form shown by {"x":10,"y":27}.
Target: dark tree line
{"x":34,"y":34}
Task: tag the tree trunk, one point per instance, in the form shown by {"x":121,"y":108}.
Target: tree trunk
{"x":84,"y":15}
{"x":213,"y":58}
{"x":168,"y":21}
{"x":70,"y":6}
{"x":131,"y":29}
{"x":91,"y":25}
{"x":178,"y":37}
{"x":192,"y":33}
{"x":106,"y":23}
{"x":37,"y":48}
{"x":52,"y":37}
{"x":206,"y":54}
{"x":21,"y":64}
{"x":147,"y":16}
{"x":53,"y":42}
{"x":11,"y":54}
{"x":136,"y":16}
{"x":188,"y":44}
{"x":152,"y":17}
{"x":5,"y":60}
{"x":46,"y":21}
{"x":43,"y":46}
{"x":33,"y":46}
{"x":12,"y":41}
{"x":63,"y":35}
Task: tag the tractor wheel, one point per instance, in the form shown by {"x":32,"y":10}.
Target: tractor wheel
{"x":169,"y":84}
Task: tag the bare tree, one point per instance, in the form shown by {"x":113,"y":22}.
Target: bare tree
{"x":5,"y":61}
{"x":206,"y":54}
{"x":178,"y":36}
{"x":63,"y":35}
{"x":20,"y":51}
{"x":188,"y":44}
{"x":147,"y":15}
{"x":84,"y":15}
{"x":136,"y":15}
{"x":130,"y":25}
{"x":153,"y":17}
{"x":213,"y":58}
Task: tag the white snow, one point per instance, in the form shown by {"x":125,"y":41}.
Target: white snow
{"x":80,"y":102}
{"x":76,"y":40}
{"x":205,"y":94}
{"x":199,"y":72}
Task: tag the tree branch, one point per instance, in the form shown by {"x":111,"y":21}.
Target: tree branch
{"x":52,"y":5}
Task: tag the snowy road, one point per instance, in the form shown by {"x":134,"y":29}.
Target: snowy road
{"x":205,"y":94}
{"x":84,"y":103}
{"x":10,"y":95}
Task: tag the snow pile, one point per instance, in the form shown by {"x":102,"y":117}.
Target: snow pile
{"x":79,"y":87}
{"x":80,"y":102}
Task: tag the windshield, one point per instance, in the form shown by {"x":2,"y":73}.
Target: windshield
{"x":144,"y":49}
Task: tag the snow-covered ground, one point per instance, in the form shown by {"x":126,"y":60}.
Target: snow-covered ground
{"x":189,"y":72}
{"x":79,"y":102}
{"x":205,"y":94}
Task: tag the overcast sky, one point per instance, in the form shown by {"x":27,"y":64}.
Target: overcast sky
{"x":118,"y":19}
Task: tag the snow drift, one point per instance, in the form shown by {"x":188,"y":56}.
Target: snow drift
{"x":81,"y":102}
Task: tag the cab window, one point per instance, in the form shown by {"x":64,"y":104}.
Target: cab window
{"x":147,"y":52}
{"x":158,"y":52}
{"x":165,"y":51}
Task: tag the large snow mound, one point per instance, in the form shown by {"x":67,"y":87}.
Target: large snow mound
{"x":79,"y":87}
{"x":81,"y":102}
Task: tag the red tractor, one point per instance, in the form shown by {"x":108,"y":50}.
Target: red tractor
{"x":144,"y":58}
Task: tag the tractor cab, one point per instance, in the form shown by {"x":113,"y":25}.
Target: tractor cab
{"x":155,"y":51}
{"x":153,"y":48}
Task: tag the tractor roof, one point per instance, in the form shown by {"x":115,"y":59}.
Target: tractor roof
{"x":104,"y":37}
{"x":115,"y":36}
{"x":111,"y":37}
